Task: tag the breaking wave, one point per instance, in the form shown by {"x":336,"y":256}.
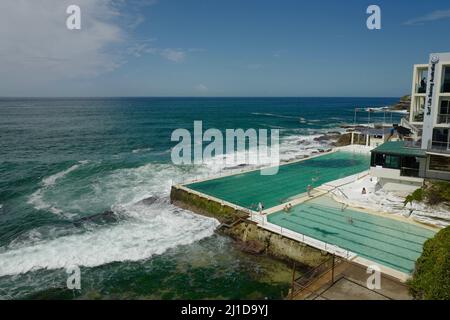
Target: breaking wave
{"x":151,"y":231}
{"x":147,"y":228}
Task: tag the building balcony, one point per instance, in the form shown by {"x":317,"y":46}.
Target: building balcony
{"x":421,"y":88}
{"x":418,"y":117}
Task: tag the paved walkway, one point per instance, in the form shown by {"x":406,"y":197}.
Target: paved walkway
{"x":350,"y":283}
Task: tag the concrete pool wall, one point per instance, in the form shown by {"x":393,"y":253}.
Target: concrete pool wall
{"x":246,"y":230}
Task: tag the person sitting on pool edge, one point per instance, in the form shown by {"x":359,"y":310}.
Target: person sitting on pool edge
{"x":287,"y":208}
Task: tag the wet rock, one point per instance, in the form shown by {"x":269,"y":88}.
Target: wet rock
{"x":148,"y":201}
{"x":327,"y":137}
{"x":344,"y":140}
{"x":251,"y":246}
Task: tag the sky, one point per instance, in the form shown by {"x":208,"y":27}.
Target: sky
{"x":217,"y":47}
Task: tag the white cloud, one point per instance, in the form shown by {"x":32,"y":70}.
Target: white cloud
{"x":201,"y":88}
{"x":175,"y":55}
{"x":140,"y":48}
{"x":35,"y":42}
{"x":433,"y":16}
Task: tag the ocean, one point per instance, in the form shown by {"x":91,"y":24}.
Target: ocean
{"x":74,"y":172}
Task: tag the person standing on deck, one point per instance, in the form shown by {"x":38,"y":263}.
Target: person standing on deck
{"x":260,"y":207}
{"x":309,"y":189}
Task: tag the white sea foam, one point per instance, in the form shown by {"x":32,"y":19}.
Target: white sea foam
{"x":51,"y":180}
{"x":141,"y":150}
{"x":36,"y":199}
{"x":151,"y":231}
{"x":144,"y":231}
{"x":275,"y":115}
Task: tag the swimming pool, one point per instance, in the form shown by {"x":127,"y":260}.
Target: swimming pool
{"x":247,"y":189}
{"x":387,"y":241}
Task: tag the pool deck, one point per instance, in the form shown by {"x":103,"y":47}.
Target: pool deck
{"x":261,"y":219}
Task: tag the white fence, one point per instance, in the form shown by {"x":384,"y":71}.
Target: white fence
{"x":330,"y":248}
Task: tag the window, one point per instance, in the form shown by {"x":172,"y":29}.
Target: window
{"x":444,"y":107}
{"x":440,"y":139}
{"x":410,"y":167}
{"x":440,"y":163}
{"x":421,"y":86}
{"x":410,"y":162}
{"x":444,"y":111}
{"x":392,"y":162}
{"x":377,"y":159}
{"x":418,"y":109}
{"x":385,"y":160}
{"x":440,"y":135}
{"x":446,"y":80}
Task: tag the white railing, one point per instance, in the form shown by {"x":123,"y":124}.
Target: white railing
{"x":318,"y":244}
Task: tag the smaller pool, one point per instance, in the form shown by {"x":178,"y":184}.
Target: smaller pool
{"x":387,"y":241}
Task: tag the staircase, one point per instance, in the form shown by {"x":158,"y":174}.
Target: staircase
{"x":416,"y":132}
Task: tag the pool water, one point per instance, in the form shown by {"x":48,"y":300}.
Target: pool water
{"x":387,"y":241}
{"x":247,"y":189}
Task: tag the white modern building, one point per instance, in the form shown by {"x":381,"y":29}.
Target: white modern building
{"x":407,"y":162}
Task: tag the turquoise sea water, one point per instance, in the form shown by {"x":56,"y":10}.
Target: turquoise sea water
{"x":74,"y":172}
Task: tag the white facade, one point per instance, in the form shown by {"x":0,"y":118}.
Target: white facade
{"x":406,"y":163}
{"x":438,"y":93}
{"x":418,"y":95}
{"x":430,"y":111}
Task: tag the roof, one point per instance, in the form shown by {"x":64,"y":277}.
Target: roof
{"x":398,"y":148}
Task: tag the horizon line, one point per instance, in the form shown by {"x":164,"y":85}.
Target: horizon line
{"x":193,"y":97}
